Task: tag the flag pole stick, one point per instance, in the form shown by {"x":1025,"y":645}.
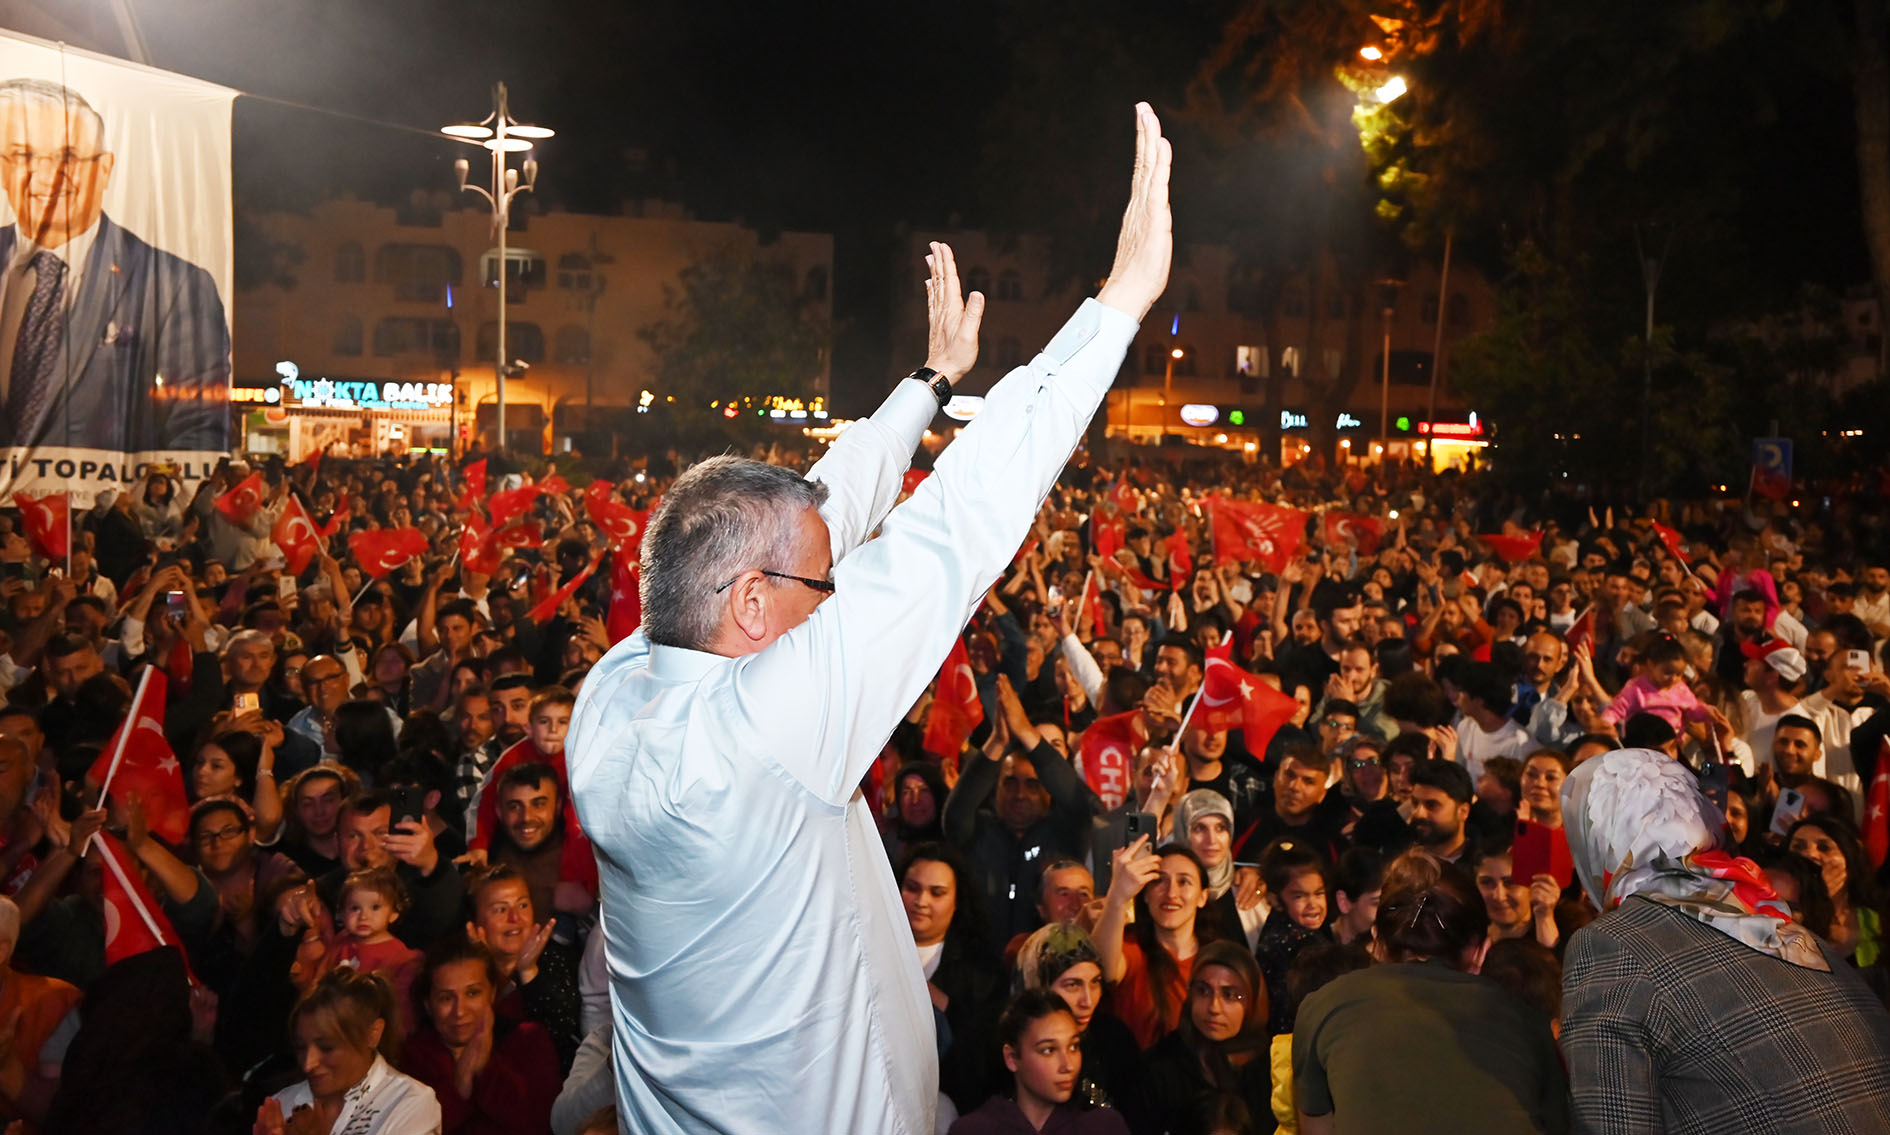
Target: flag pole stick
{"x":1175,"y":746}
{"x":124,"y":733}
{"x":68,"y":495}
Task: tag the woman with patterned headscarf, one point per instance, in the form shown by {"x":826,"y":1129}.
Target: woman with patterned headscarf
{"x":1205,"y":820}
{"x":1061,"y":959}
{"x":1696,"y":1003}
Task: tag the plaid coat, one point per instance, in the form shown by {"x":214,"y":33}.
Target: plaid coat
{"x":1669,"y":1025}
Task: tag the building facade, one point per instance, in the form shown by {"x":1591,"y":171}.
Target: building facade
{"x":1221,"y":355}
{"x":380,"y":331}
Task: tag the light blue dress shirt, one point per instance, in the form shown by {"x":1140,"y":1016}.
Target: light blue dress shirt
{"x":763,"y":977}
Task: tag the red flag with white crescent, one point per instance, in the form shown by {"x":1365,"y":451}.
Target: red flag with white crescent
{"x":620,"y":523}
{"x":134,"y":922}
{"x":1672,"y":539}
{"x":1127,"y":503}
{"x":1180,"y":562}
{"x":241,"y":504}
{"x":511,"y":504}
{"x":626,"y":597}
{"x":478,"y":551}
{"x":1108,"y":753}
{"x":956,"y":710}
{"x":1231,"y":698}
{"x":383,"y":550}
{"x":1268,"y":534}
{"x":1364,"y":532}
{"x":1582,"y":631}
{"x":1877,"y":809}
{"x":296,"y":536}
{"x":48,"y":519}
{"x":138,"y":761}
{"x":1108,"y":533}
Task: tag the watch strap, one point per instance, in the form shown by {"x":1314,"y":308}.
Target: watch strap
{"x":941,"y":386}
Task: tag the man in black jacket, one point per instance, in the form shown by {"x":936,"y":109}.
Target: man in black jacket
{"x":1039,"y":813}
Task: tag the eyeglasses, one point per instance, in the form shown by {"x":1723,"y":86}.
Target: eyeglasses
{"x":821,"y":585}
{"x":322,"y":679}
{"x":218,"y":836}
{"x":57,"y":159}
{"x":1365,"y":762}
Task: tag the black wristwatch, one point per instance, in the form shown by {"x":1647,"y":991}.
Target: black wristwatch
{"x":941,"y":386}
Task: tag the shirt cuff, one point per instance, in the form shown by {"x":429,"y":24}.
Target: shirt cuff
{"x":907,"y":411}
{"x":1096,"y":327}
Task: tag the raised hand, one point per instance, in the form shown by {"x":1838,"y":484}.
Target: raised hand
{"x":1147,"y":244}
{"x":952,"y":318}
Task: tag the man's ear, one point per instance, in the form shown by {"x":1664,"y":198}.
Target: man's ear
{"x":747,"y":606}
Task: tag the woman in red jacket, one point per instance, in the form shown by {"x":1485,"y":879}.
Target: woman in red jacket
{"x":491,"y":1076}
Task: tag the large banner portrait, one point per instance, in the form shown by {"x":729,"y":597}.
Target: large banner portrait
{"x":116,"y":258}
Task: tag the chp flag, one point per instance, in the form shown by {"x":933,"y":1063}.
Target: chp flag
{"x":1107,"y":756}
{"x":121,"y":258}
{"x":1268,"y":534}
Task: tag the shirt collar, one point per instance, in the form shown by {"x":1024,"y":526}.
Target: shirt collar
{"x":73,"y":251}
{"x":680,"y":664}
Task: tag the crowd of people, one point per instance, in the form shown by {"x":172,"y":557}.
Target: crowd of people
{"x":1193,"y":835}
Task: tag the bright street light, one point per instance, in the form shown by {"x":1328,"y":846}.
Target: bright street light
{"x":1393,"y":89}
{"x":499,"y":133}
{"x":1370,"y":53}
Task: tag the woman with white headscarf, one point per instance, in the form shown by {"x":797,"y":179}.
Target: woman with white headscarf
{"x":1205,"y":820}
{"x":1695,"y":1003}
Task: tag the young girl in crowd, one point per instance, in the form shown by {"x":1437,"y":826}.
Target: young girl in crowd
{"x":1660,"y":688}
{"x":1300,"y":880}
{"x":371,"y":901}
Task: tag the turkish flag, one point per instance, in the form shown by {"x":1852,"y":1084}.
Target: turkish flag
{"x":383,"y":550}
{"x":1877,"y":809}
{"x":622,"y":524}
{"x":1356,"y":528}
{"x":1232,"y":698}
{"x":240,"y":505}
{"x":296,"y":536}
{"x":956,"y":709}
{"x":313,"y":461}
{"x":1255,"y":530}
{"x":336,"y":520}
{"x":1127,"y":503}
{"x":134,"y":922}
{"x":138,"y":761}
{"x":511,"y":504}
{"x":1108,"y":755}
{"x":477,"y":550}
{"x":554,"y":484}
{"x":48,"y":518}
{"x":626,"y":597}
{"x":1108,"y":533}
{"x":1092,"y":605}
{"x":1180,"y":562}
{"x":1582,"y":631}
{"x":476,"y":478}
{"x":521,"y":535}
{"x":548,"y":606}
{"x":910,"y":482}
{"x":1671,"y":538}
{"x":1513,"y":549}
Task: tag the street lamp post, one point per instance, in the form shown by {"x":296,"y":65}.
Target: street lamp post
{"x":501,"y":134}
{"x":1388,"y":292}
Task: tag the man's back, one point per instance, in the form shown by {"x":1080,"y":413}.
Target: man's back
{"x":762,"y":965}
{"x":1670,"y":1025}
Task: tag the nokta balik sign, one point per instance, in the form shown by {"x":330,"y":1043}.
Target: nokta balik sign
{"x":116,"y":259}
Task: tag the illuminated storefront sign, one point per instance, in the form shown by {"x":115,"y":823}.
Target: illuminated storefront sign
{"x":964,"y":407}
{"x":1200,"y":414}
{"x":361,"y":395}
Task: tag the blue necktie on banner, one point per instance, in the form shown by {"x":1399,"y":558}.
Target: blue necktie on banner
{"x":36,"y":352}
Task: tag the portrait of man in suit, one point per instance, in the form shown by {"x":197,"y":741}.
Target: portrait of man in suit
{"x":105,"y":341}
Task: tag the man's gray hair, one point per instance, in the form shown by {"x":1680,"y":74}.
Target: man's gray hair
{"x":723,"y":517}
{"x":248,"y":636}
{"x":45,"y":92}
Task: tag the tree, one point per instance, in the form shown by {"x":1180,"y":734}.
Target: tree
{"x":740,"y":325}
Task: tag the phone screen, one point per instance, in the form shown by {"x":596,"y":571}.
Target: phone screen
{"x":1791,"y":805}
{"x":174,"y":605}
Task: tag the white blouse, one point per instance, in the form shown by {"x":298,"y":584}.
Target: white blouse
{"x":385,"y":1102}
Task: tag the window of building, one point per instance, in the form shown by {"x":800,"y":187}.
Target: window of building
{"x":524,"y":342}
{"x":1293,"y":302}
{"x":1332,"y":357}
{"x":1289,"y":361}
{"x":523,"y":272}
{"x":574,"y":272}
{"x":1155,"y":358}
{"x":574,"y":345}
{"x":1010,"y":286}
{"x":1459,"y":312}
{"x":977,"y":280}
{"x":1185,"y":365}
{"x":399,"y":335}
{"x":347,"y":337}
{"x":350,"y":264}
{"x":1428,"y":312}
{"x":418,"y":271}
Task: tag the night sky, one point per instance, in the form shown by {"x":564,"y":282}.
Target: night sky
{"x":850,"y":117}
